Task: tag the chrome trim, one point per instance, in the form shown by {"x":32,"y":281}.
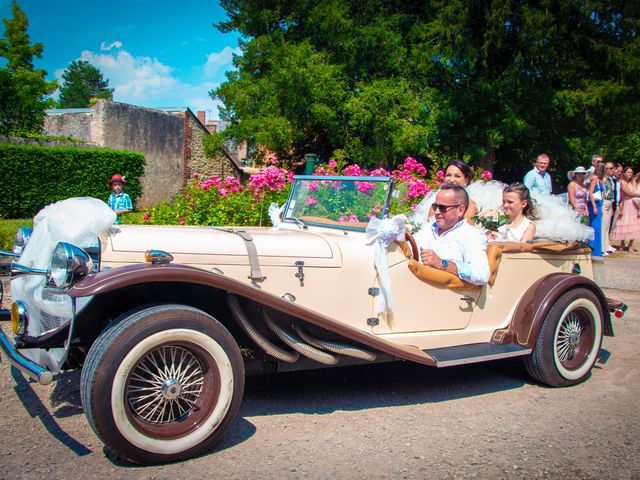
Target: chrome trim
{"x":20,"y":240}
{"x":18,"y":270}
{"x":22,"y":363}
{"x":158,"y":257}
{"x":77,"y":265}
{"x":5,"y":253}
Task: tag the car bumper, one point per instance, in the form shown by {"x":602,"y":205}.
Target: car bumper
{"x":22,"y":363}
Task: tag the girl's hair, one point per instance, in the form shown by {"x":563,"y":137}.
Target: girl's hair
{"x":529,"y":210}
{"x":463,"y":167}
{"x":599,"y":171}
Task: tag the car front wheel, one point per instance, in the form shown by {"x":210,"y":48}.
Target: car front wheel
{"x":569,"y":340}
{"x":163,"y":384}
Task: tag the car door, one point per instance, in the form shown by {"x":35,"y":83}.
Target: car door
{"x":421,"y":307}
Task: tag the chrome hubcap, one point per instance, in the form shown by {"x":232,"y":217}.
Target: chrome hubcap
{"x":569,"y":336}
{"x":165,"y":385}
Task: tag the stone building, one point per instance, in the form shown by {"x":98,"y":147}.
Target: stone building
{"x":171,"y":140}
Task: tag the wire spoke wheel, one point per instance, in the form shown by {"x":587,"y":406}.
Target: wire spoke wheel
{"x":569,"y":340}
{"x":165,"y":386}
{"x":574,"y":338}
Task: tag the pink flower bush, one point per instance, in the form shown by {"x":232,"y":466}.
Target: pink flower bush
{"x":271,"y":178}
{"x":310,"y":201}
{"x":352,"y":170}
{"x":365,"y":187}
{"x":348,"y":218}
{"x":380,"y":172}
{"x":313,"y":186}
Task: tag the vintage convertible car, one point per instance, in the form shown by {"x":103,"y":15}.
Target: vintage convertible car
{"x":166,"y":321}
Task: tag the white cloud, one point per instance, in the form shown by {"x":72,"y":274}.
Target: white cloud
{"x":147,"y":82}
{"x":217,"y":60}
{"x":106,"y":47}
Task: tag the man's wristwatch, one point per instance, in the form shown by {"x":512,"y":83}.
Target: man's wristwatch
{"x":444,"y":264}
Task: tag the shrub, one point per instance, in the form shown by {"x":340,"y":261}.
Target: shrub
{"x":35,"y":176}
{"x":225,"y":202}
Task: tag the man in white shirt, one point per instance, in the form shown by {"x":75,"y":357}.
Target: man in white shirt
{"x":538,"y":180}
{"x":450,"y":243}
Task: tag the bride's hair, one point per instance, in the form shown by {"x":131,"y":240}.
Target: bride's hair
{"x":529,"y":210}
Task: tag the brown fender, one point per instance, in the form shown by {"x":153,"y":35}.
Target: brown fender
{"x":109,"y":280}
{"x":538,"y":300}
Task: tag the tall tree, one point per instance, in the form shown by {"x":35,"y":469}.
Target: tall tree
{"x":82,"y":84}
{"x":24,"y":91}
{"x":493,"y":82}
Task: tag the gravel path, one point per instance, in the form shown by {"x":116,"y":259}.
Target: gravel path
{"x":386,"y":421}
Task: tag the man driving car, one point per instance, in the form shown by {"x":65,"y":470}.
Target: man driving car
{"x":450,"y":243}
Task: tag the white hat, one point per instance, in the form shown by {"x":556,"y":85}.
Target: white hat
{"x":572,"y":173}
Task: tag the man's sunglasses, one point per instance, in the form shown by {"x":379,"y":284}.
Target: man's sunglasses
{"x":444,"y":208}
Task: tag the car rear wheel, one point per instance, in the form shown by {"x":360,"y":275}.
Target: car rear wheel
{"x":163,"y":384}
{"x":569,"y":340}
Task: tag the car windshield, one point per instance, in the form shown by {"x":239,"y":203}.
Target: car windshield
{"x":340,"y":202}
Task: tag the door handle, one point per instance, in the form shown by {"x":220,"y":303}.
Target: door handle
{"x":467,"y":298}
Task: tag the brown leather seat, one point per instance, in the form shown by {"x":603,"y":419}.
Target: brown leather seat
{"x":448,"y":280}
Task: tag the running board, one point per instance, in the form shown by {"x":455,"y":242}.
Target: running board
{"x":475,"y":352}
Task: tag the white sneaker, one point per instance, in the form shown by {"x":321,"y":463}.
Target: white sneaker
{"x":611,"y":250}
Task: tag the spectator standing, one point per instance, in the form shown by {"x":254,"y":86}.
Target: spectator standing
{"x":577,"y":192}
{"x":617,"y":178}
{"x":119,"y":200}
{"x":596,"y":195}
{"x":538,"y":180}
{"x":607,"y":206}
{"x":627,"y":224}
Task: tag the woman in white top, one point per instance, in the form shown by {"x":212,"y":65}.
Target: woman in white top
{"x":516,"y":203}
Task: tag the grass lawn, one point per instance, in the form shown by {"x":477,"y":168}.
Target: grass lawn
{"x":8,"y":229}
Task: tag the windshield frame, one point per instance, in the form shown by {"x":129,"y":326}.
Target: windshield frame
{"x":298,"y":179}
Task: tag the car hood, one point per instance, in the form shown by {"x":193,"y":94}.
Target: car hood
{"x":189,"y":245}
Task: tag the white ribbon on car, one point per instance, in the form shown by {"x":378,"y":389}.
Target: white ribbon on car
{"x":383,"y":232}
{"x":274,"y":214}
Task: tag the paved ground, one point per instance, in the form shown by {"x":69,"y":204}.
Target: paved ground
{"x":387,"y":421}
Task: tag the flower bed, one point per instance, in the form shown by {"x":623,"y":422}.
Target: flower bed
{"x":217,"y":201}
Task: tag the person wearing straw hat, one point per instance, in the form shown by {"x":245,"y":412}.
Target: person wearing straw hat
{"x":119,"y":200}
{"x":577,"y":192}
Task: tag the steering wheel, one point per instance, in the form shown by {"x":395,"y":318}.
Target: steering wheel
{"x":414,"y":246}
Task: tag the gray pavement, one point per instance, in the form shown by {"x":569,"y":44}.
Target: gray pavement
{"x":620,"y":270}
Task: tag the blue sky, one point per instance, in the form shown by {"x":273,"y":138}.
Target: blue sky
{"x":155,"y":53}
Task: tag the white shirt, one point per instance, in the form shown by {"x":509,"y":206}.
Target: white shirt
{"x":506,"y":233}
{"x":537,"y":181}
{"x":462,"y":244}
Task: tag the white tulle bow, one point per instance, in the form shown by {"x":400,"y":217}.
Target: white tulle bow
{"x":383,"y":232}
{"x":274,"y":213}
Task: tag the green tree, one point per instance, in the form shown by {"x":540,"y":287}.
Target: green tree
{"x":82,"y":84}
{"x":24,"y":91}
{"x":492,"y":82}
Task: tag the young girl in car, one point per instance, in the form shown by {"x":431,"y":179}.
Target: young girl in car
{"x":516,"y":203}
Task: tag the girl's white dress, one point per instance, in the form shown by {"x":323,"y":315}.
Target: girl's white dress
{"x":507,"y":233}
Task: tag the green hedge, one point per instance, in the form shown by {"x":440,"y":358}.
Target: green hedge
{"x":35,"y":176}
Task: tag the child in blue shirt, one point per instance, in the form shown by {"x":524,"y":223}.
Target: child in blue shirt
{"x":119,"y":201}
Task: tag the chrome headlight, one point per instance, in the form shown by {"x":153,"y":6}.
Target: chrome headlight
{"x":20,"y":240}
{"x":69,"y":265}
